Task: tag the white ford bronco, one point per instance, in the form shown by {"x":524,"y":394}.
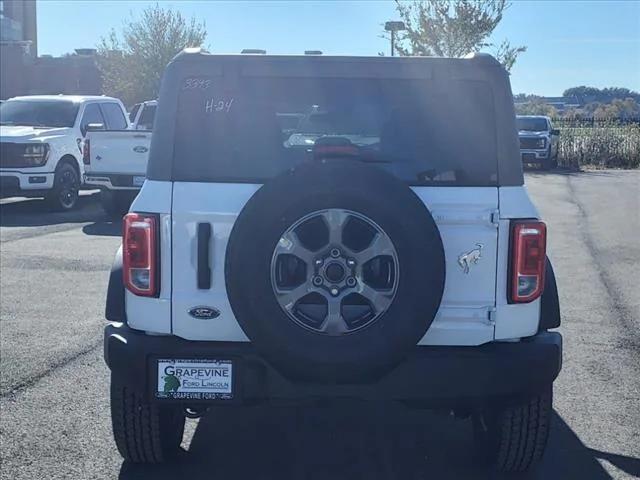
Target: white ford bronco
{"x":382,"y":249}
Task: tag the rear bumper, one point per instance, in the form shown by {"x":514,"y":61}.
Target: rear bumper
{"x":435,"y":375}
{"x":112,"y":181}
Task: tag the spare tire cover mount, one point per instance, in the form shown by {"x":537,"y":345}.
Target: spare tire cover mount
{"x":362,"y":251}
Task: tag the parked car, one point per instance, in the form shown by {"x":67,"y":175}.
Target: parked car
{"x":411,"y":269}
{"x":538,"y":140}
{"x":143,"y":115}
{"x":116,"y":160}
{"x":41,"y":140}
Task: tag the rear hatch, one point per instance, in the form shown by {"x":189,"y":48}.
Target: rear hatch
{"x":432,"y":126}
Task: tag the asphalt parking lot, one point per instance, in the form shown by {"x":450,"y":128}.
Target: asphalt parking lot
{"x":54,"y":404}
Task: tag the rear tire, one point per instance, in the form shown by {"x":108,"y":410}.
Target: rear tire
{"x":66,"y":186}
{"x":513,"y":438}
{"x":144,"y":432}
{"x":550,"y":162}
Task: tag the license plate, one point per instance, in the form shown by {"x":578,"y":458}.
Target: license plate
{"x":195,"y":379}
{"x":138,"y":180}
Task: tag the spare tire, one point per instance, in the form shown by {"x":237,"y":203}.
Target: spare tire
{"x":335,"y":271}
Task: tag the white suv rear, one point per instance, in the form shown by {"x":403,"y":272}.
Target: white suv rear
{"x":384,"y":249}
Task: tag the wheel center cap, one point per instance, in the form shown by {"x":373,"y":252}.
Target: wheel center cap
{"x":334,"y":272}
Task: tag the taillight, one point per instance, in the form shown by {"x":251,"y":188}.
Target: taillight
{"x":528,"y":254}
{"x":139,"y":250}
{"x":86,"y":152}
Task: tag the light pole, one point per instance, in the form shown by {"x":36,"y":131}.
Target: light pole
{"x":393,"y":27}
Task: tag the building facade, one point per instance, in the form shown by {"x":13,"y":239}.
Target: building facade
{"x":18,"y":24}
{"x":23,"y":72}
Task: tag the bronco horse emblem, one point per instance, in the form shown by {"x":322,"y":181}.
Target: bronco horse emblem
{"x":465,"y":260}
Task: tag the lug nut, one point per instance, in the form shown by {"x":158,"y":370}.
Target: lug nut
{"x":334,"y":291}
{"x":351,"y":282}
{"x":335,"y":253}
{"x":317,"y":280}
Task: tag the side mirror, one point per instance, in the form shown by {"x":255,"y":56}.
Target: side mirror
{"x":555,"y":131}
{"x":93,"y":127}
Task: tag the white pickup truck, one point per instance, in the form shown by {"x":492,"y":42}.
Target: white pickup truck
{"x":143,"y":114}
{"x":41,"y":139}
{"x":116,"y":160}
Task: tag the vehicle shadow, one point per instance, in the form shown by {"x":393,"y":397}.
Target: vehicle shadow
{"x":532,"y":168}
{"x":356,"y":442}
{"x":109,"y":228}
{"x":628,"y":465}
{"x":35,"y":212}
{"x":567,"y":172}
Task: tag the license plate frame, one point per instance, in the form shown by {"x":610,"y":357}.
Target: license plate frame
{"x":198,"y":386}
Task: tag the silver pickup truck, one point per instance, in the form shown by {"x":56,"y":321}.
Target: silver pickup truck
{"x":538,"y":141}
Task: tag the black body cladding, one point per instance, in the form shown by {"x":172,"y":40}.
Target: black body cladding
{"x":549,"y":302}
{"x":115,"y":308}
{"x":434,"y":375}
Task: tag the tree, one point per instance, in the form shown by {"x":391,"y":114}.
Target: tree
{"x":605,"y":95}
{"x":524,"y":97}
{"x":507,"y":55}
{"x":536,"y":106}
{"x":622,"y":109}
{"x":453,"y":28}
{"x":132,"y":63}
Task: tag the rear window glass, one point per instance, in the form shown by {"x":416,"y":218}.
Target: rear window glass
{"x":253,"y":128}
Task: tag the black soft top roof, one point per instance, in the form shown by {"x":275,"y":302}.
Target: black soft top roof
{"x":193,"y":62}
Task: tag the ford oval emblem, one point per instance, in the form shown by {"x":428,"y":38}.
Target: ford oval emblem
{"x":140,"y":149}
{"x":204,"y":313}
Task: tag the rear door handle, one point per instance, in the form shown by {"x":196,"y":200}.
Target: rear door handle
{"x":204,"y":263}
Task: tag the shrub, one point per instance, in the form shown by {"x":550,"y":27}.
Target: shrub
{"x":607,"y":143}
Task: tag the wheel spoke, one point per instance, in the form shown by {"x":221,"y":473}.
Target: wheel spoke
{"x":381,"y":245}
{"x":290,"y":244}
{"x":379,"y":301}
{"x":288,"y":298}
{"x":335,"y":220}
{"x":323,"y":280}
{"x":334,"y":324}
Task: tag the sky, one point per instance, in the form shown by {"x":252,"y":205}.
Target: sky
{"x":569,"y":43}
